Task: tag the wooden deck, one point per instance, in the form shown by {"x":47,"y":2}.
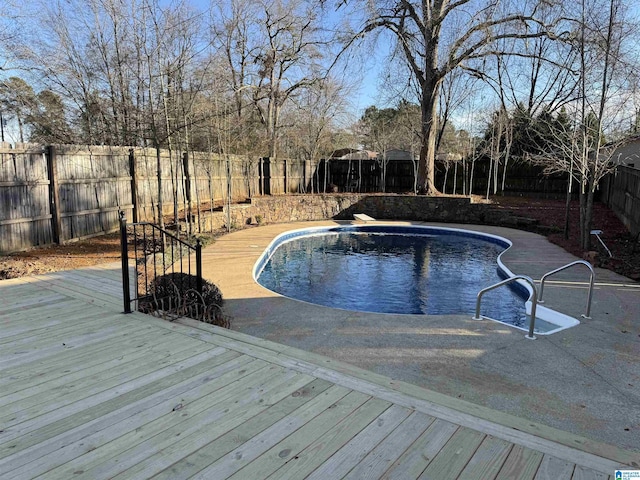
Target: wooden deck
{"x":87,"y":392}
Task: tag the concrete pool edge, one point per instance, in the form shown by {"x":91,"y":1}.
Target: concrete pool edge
{"x":546,"y":314}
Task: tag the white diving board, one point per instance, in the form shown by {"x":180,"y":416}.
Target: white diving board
{"x":363,"y":217}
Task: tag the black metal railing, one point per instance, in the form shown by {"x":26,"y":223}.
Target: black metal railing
{"x":162,"y":262}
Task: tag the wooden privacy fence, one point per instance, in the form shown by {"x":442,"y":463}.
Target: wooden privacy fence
{"x":621,"y":192}
{"x":25,"y":205}
{"x":57,"y":193}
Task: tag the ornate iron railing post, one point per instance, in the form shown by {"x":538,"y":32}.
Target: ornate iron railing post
{"x":199,"y":266}
{"x":124,"y":253}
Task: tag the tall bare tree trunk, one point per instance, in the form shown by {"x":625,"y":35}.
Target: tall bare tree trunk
{"x":429,"y":133}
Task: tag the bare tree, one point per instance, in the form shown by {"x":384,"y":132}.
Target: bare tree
{"x":318,"y":110}
{"x":579,"y":148}
{"x":11,"y":13}
{"x":290,"y":59}
{"x":602,"y":34}
{"x":439,"y":36}
{"x":236,"y":40}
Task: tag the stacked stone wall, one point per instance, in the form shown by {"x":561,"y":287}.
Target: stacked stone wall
{"x":296,"y":208}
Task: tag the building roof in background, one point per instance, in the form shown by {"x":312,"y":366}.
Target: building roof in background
{"x":397,"y":154}
{"x":393,"y":154}
{"x":353,"y":154}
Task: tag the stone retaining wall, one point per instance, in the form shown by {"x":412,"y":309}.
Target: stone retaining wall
{"x":295,"y":208}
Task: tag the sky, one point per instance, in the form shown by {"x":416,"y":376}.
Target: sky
{"x":373,"y":58}
{"x":373,"y":61}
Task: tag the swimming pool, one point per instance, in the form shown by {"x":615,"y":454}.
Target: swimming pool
{"x":396,"y":269}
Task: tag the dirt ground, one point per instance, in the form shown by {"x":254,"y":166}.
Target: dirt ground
{"x":84,"y":253}
{"x":548,"y":213}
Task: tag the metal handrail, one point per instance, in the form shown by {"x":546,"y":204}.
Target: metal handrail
{"x":533,"y":297}
{"x":586,"y":315}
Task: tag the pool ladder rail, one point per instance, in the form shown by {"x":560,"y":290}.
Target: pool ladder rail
{"x":587,"y":314}
{"x":537,"y":298}
{"x":534,"y":300}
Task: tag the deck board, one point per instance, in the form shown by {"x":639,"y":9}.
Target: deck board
{"x":172,"y":452}
{"x":71,"y":444}
{"x":414,"y":461}
{"x":343,"y":460}
{"x":380,"y":459}
{"x":200,"y":458}
{"x":87,"y":392}
{"x":331,"y":441}
{"x":553,"y":468}
{"x":33,"y":320}
{"x":147,"y":354}
{"x":16,"y":356}
{"x":121,"y":376}
{"x":488,"y":459}
{"x":63,"y":419}
{"x":207,"y":413}
{"x":67,"y":361}
{"x":522,"y":462}
{"x":291,"y":446}
{"x":455,"y":454}
{"x":75,"y":324}
{"x":259,"y":444}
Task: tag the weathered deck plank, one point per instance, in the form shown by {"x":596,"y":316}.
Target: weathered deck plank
{"x":488,"y":459}
{"x":432,"y":403}
{"x":200,"y":458}
{"x":68,"y":361}
{"x":75,"y":324}
{"x":86,"y":392}
{"x":259,"y":444}
{"x":147,"y":353}
{"x":553,"y":468}
{"x":343,"y":460}
{"x":413,"y":462}
{"x":63,"y":419}
{"x":522,"y":462}
{"x":36,"y":319}
{"x":454,"y":456}
{"x":208,"y":412}
{"x":291,"y":446}
{"x":101,"y":380}
{"x":391,"y":448}
{"x":232,"y":424}
{"x":78,"y":441}
{"x":20,"y":356}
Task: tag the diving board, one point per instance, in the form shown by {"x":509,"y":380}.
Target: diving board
{"x":363,"y":217}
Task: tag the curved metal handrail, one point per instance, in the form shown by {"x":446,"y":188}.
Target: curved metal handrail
{"x":534,"y":300}
{"x":564,"y":267}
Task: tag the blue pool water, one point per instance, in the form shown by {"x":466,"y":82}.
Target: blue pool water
{"x":394,"y":270}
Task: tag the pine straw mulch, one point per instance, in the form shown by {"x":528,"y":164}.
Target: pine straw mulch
{"x":550,"y":215}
